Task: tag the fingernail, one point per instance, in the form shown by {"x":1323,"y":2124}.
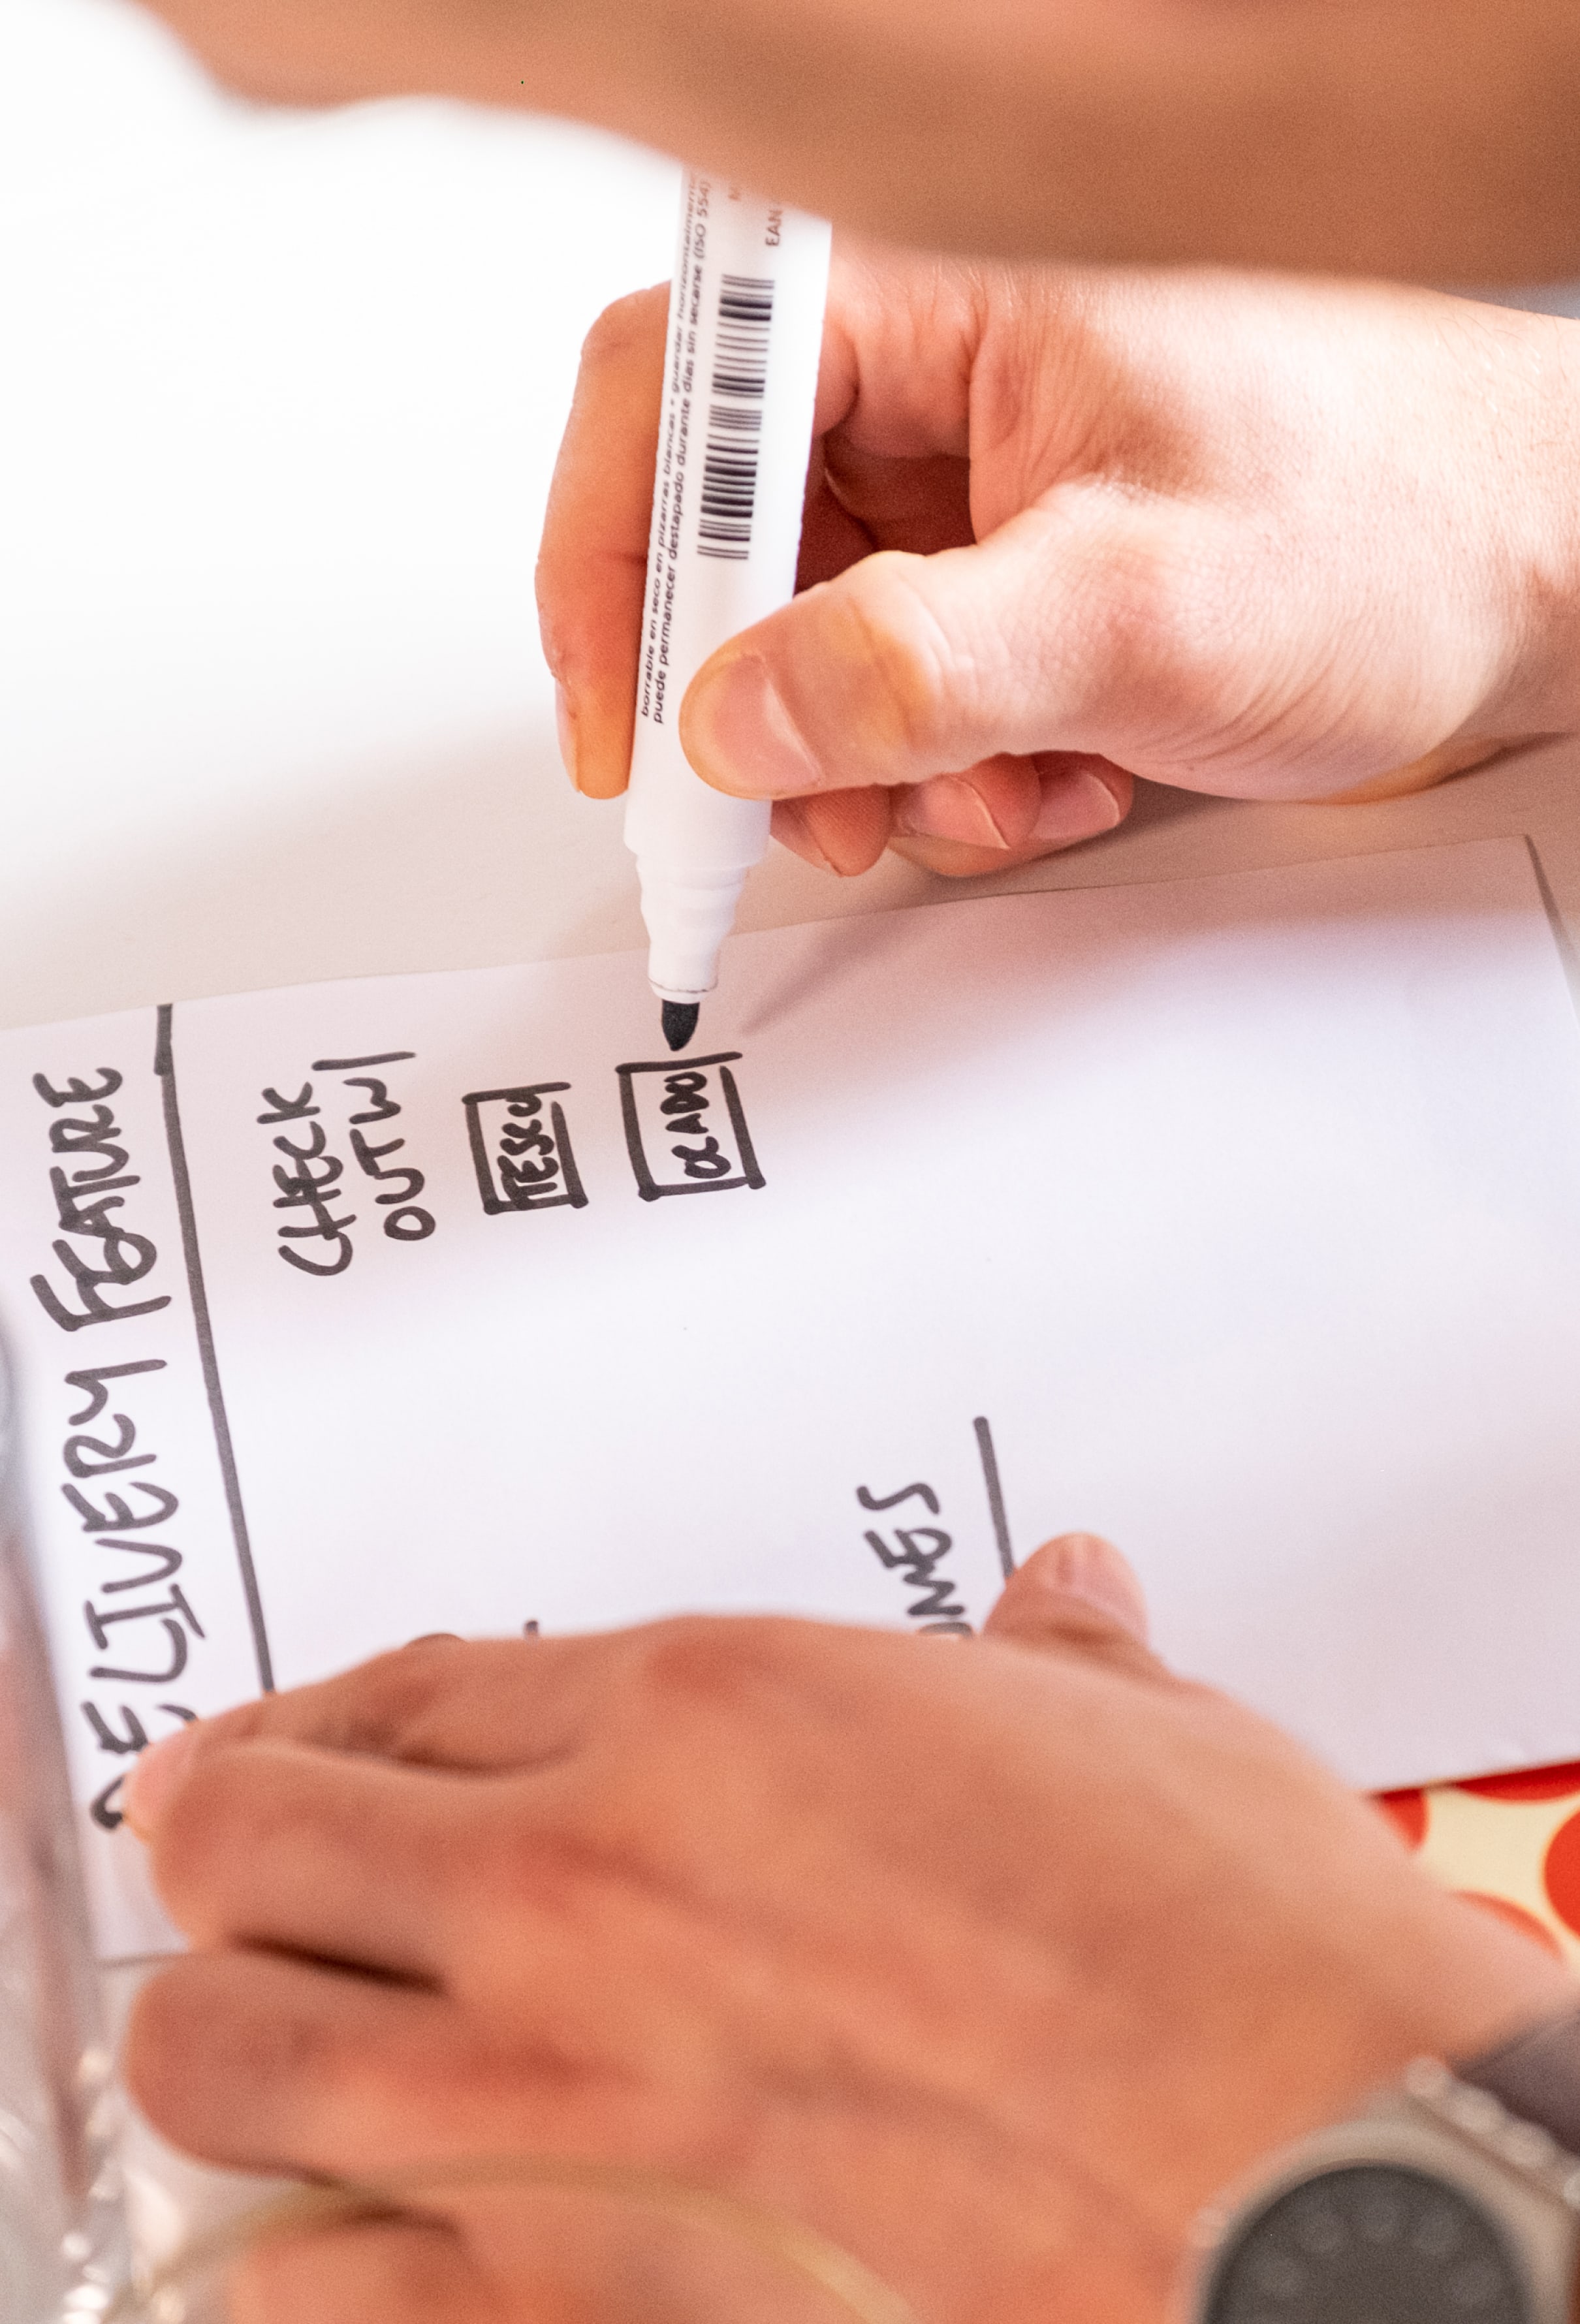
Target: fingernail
{"x":792,"y":829}
{"x":737,"y":732}
{"x":565,"y":727}
{"x":154,"y":1780}
{"x":948,"y":807}
{"x":1084,"y":1565}
{"x":1075,"y":805}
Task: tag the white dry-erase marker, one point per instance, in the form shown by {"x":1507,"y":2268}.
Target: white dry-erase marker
{"x":741,"y":375}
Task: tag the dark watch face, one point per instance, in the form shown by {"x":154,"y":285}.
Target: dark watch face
{"x":1371,"y":2243}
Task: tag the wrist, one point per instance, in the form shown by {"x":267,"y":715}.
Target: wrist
{"x":1455,"y":2191}
{"x":1420,"y":1974}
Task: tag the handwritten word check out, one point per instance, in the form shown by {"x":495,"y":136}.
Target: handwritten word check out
{"x":1237,"y":1219}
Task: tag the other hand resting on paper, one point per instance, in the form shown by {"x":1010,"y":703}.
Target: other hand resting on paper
{"x":994,"y":1961}
{"x":1246,"y":536}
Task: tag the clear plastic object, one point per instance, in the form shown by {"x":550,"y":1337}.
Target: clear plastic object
{"x":62,"y":2241}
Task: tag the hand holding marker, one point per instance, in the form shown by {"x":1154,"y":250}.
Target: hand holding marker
{"x":740,"y":379}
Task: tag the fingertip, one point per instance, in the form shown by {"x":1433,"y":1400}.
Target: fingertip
{"x":157,"y":1775}
{"x":1066,"y":1586}
{"x":842,"y":831}
{"x":953,"y":859}
{"x":738,"y":731}
{"x":993,"y":806}
{"x":1068,"y":803}
{"x":792,"y":827}
{"x":1080,"y":801}
{"x":603,"y":731}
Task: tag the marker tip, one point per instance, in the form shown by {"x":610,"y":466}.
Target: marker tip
{"x":678,"y":1019}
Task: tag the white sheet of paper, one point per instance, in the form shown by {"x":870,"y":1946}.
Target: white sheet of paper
{"x":1238,"y":1218}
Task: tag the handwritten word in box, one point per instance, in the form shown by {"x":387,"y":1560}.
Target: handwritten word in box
{"x":521,"y":1149}
{"x":685,"y":1128}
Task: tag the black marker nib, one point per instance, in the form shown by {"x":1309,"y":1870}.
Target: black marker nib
{"x":680,"y":1021}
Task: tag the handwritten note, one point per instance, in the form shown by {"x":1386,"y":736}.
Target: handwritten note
{"x":1239,"y":1220}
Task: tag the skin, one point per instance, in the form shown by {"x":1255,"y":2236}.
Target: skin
{"x":993,"y":1959}
{"x":1431,"y":139}
{"x":1064,"y":527}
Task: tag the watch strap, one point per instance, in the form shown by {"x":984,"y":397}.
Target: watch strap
{"x":1536,"y":2076}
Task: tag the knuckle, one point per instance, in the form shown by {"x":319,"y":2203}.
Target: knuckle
{"x":449,"y":1706}
{"x":389,"y":1699}
{"x":546,"y":1876}
{"x":391,"y":1706}
{"x":711,"y":1662}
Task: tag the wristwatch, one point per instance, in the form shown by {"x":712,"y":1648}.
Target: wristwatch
{"x":1452,"y":2198}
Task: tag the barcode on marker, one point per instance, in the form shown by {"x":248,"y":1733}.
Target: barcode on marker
{"x":734,"y":417}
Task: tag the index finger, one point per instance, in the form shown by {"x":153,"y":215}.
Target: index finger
{"x":483,"y":1705}
{"x":592,"y":566}
{"x":894,"y":389}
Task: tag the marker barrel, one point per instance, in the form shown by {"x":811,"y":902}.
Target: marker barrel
{"x":740,"y":378}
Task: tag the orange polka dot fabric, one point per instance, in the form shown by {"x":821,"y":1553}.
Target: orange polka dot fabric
{"x":1507,"y":1844}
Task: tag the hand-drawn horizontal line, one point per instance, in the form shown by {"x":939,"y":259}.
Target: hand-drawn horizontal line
{"x":521,"y":1089}
{"x":682,"y":1063}
{"x":339,"y":1064}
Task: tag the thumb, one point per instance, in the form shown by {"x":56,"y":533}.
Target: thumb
{"x":909,"y":666}
{"x":1076,"y":1592}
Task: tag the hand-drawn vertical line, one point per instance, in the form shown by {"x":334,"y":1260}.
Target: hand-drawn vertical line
{"x":995,"y":1496}
{"x":647,"y":1185}
{"x":481,"y":1162}
{"x":164,"y":1066}
{"x":570,"y":1177}
{"x":744,"y":1147}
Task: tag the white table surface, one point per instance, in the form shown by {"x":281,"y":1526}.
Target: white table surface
{"x":278,"y":407}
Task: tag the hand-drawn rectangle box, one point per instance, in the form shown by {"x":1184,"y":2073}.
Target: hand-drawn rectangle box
{"x":521,"y":1149}
{"x":685,"y":1130}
